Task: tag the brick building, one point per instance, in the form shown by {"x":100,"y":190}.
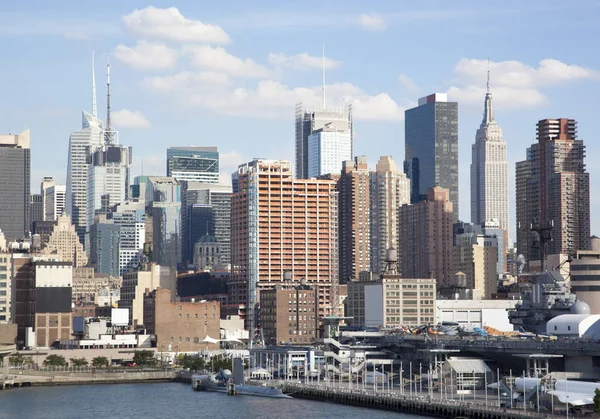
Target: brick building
{"x":181,"y":325}
{"x":288,"y":314}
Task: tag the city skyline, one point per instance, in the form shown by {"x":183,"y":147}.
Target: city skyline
{"x":528,"y":86}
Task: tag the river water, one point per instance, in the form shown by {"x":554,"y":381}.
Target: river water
{"x":164,"y":400}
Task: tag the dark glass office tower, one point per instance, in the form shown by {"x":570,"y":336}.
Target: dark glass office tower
{"x":200,"y":223}
{"x":14,"y":185}
{"x":431,"y":147}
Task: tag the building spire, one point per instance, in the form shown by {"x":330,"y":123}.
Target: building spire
{"x":488,"y":109}
{"x":108,"y":95}
{"x":488,"y":76}
{"x":94,"y":104}
{"x":323,"y":65}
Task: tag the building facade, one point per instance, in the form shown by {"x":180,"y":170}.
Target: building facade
{"x":389,"y":190}
{"x":181,"y":326}
{"x":354,"y":219}
{"x":489,"y":170}
{"x":553,"y":190}
{"x":426,"y":238}
{"x":585,"y":278}
{"x":288,"y":315}
{"x":64,"y":242}
{"x":281,"y":224}
{"x":164,"y":194}
{"x":431,"y":147}
{"x":5,"y":285}
{"x":36,"y":209}
{"x":199,"y":164}
{"x":478,"y":263}
{"x":89,"y":137}
{"x":15,"y":172}
{"x":308,"y":121}
{"x":328,"y":148}
{"x":54,"y":202}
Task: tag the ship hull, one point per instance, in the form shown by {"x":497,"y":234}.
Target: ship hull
{"x":204,"y":383}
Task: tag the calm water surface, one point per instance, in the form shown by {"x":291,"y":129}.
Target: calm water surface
{"x":165,"y":400}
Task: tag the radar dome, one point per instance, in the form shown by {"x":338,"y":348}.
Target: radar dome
{"x":580,"y":308}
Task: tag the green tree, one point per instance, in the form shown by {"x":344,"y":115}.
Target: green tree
{"x":55,"y":361}
{"x":145,"y":358}
{"x":217,"y":363}
{"x":17,"y":359}
{"x":596,"y":401}
{"x":100,"y":362}
{"x":194,"y":363}
{"x":78,"y":362}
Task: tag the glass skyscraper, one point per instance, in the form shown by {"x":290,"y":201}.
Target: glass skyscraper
{"x":200,"y":164}
{"x":14,"y":185}
{"x":431,"y":147}
{"x":327,"y":150}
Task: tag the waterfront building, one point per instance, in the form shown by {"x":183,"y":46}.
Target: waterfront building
{"x":389,"y":190}
{"x":354,"y":219}
{"x":54,"y":198}
{"x":218,"y":197}
{"x":281,"y":224}
{"x":135,"y":283}
{"x":585,"y":278}
{"x":164,"y":195}
{"x":431,"y":147}
{"x":489,"y":170}
{"x":15,"y":186}
{"x":553,"y":190}
{"x":199,"y":164}
{"x":337,"y":120}
{"x":64,"y":242}
{"x":181,"y":326}
{"x":426,"y":238}
{"x":328,"y":148}
{"x":36,"y":209}
{"x":288,"y":314}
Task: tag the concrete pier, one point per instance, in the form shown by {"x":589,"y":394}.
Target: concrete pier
{"x":407,"y":404}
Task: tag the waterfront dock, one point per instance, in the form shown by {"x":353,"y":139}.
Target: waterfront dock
{"x":418,"y":405}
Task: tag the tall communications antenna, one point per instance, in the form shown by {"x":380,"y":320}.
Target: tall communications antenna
{"x":323,"y":65}
{"x":94,"y":104}
{"x":110,"y":136}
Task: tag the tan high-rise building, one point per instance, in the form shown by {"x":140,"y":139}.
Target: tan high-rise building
{"x":281,"y":224}
{"x":390,"y":189}
{"x":354,"y":219}
{"x":64,"y":242}
{"x":425,"y":238}
{"x":478,"y":263}
{"x":553,"y":189}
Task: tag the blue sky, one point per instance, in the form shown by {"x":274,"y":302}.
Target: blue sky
{"x":202,"y":73}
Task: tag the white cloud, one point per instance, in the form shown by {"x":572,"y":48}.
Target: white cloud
{"x":147,"y":55}
{"x":372,"y":22}
{"x":170,"y":24}
{"x":271,"y":99}
{"x":407,"y":83}
{"x":514,"y":84}
{"x":217,"y":59}
{"x":80,"y":36}
{"x":187,"y":80}
{"x":129,"y":119}
{"x":302,"y":61}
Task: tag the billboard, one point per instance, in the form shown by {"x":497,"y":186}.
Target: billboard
{"x":53,"y":300}
{"x":119,"y":316}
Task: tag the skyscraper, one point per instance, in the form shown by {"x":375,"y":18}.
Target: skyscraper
{"x":65,"y":243}
{"x":489,"y":170}
{"x":47,"y":182}
{"x":553,"y":189}
{"x":200,"y":164}
{"x":108,"y":170}
{"x":431,"y":147}
{"x":308,"y":122}
{"x":90,"y":137}
{"x":54,"y":201}
{"x":389,"y":190}
{"x":36,"y":209}
{"x":282,"y":225}
{"x":425,"y":238}
{"x":164,"y":194}
{"x":354,"y":219}
{"x":328,"y":148}
{"x":14,"y":185}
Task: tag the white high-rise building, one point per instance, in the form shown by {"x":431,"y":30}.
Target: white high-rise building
{"x":389,"y":190}
{"x":90,"y":136}
{"x":54,"y":199}
{"x":328,"y":148}
{"x":489,"y":170}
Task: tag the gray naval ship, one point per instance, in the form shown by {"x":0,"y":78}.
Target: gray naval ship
{"x":223,"y":382}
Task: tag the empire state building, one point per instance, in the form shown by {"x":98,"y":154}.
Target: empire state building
{"x":489,"y":171}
